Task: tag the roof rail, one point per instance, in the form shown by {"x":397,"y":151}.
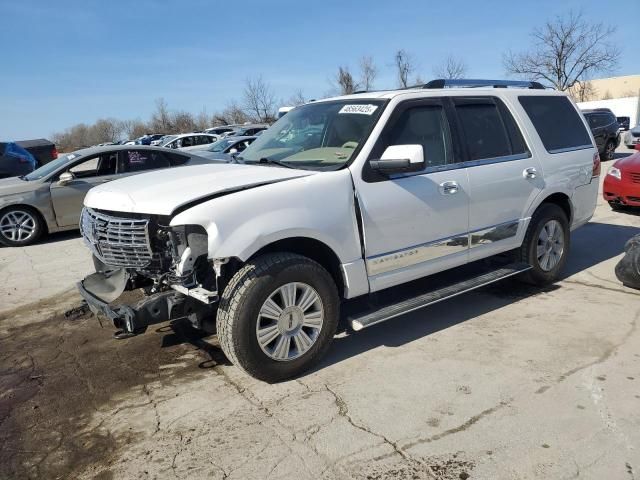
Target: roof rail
{"x":474,"y":83}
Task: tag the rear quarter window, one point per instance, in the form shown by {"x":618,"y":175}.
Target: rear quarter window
{"x":557,"y":122}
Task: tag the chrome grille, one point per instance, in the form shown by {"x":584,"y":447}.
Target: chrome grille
{"x":121,"y":242}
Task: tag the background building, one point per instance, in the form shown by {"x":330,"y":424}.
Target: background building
{"x":620,"y":94}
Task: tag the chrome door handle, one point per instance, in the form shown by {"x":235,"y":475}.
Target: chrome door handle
{"x":449,"y":188}
{"x":530,"y":173}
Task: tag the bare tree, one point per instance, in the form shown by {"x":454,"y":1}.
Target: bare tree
{"x":232,"y":114}
{"x":345,"y":81}
{"x":565,"y":51}
{"x":451,"y":67}
{"x":259,"y":100}
{"x":404,"y":67}
{"x":182,"y":122}
{"x":296,"y":99}
{"x":106,"y":130}
{"x":368,"y":73}
{"x":134,"y":128}
{"x":202,"y":120}
{"x":582,"y":91}
{"x":161,"y":118}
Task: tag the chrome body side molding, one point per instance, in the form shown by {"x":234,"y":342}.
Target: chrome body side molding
{"x":407,"y":257}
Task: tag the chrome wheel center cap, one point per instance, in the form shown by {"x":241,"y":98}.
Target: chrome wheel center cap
{"x":290,"y":319}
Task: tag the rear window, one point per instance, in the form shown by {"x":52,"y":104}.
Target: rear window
{"x":557,"y":122}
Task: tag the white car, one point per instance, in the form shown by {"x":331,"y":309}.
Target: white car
{"x":189,"y":141}
{"x":340,"y":199}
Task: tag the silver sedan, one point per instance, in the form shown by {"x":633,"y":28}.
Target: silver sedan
{"x":50,"y":198}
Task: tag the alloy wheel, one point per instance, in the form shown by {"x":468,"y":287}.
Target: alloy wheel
{"x":290,"y":321}
{"x":550,"y":245}
{"x":610,"y":149}
{"x":17,"y":225}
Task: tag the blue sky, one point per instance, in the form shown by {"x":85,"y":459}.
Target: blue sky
{"x":66,"y":62}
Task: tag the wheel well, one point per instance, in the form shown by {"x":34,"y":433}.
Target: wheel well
{"x":30,"y":208}
{"x":561,"y":200}
{"x":310,"y":248}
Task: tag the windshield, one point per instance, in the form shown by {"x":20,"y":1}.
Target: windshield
{"x":317,"y":136}
{"x":220,"y":145}
{"x":167,"y":139}
{"x":50,"y":167}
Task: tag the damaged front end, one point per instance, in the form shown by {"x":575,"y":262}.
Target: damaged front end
{"x":168,"y":264}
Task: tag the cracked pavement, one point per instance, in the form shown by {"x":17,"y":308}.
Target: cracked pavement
{"x":507,"y":382}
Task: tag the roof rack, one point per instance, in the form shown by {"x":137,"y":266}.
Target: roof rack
{"x":475,"y":83}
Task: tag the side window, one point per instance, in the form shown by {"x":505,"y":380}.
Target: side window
{"x":188,"y":142}
{"x":175,"y":159}
{"x":424,"y":125}
{"x":556,"y":121}
{"x":140,"y":160}
{"x":97,"y":166}
{"x":88,"y":168}
{"x":485,"y":132}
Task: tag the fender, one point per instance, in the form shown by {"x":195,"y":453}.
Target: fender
{"x":543,"y":195}
{"x":320,"y":207}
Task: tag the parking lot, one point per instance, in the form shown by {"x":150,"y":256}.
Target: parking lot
{"x":506,"y":382}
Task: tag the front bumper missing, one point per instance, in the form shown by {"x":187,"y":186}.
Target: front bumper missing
{"x":101,"y":288}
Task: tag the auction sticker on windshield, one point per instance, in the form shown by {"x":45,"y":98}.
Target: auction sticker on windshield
{"x":361,"y":109}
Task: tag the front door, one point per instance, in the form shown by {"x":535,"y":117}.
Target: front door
{"x":415,"y":223}
{"x":504,"y":177}
{"x":67,"y":199}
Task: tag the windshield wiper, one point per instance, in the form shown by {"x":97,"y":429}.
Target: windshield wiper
{"x":274,"y":162}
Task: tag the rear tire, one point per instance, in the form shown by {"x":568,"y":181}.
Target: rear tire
{"x":20,"y":226}
{"x":546,"y":245}
{"x":262,"y":323}
{"x":610,"y":150}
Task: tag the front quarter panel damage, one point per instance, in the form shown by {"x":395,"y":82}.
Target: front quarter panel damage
{"x":318,"y":206}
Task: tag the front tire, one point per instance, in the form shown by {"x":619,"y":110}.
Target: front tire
{"x":20,"y":226}
{"x":277,"y":316}
{"x":546,"y":245}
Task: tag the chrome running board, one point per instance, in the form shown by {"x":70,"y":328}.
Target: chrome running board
{"x":387,"y":312}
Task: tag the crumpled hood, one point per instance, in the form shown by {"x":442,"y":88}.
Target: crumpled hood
{"x":163,"y":191}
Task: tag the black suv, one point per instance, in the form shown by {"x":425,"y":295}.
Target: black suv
{"x":605,"y":128}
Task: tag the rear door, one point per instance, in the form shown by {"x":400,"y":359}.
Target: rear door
{"x":504,"y":177}
{"x":67,"y":199}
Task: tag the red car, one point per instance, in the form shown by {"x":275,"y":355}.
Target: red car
{"x":622,"y":182}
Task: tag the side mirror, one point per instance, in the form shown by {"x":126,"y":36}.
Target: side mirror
{"x":233,"y":150}
{"x":400,"y":158}
{"x":66,"y":178}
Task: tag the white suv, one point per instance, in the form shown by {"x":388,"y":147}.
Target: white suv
{"x":344,"y":198}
